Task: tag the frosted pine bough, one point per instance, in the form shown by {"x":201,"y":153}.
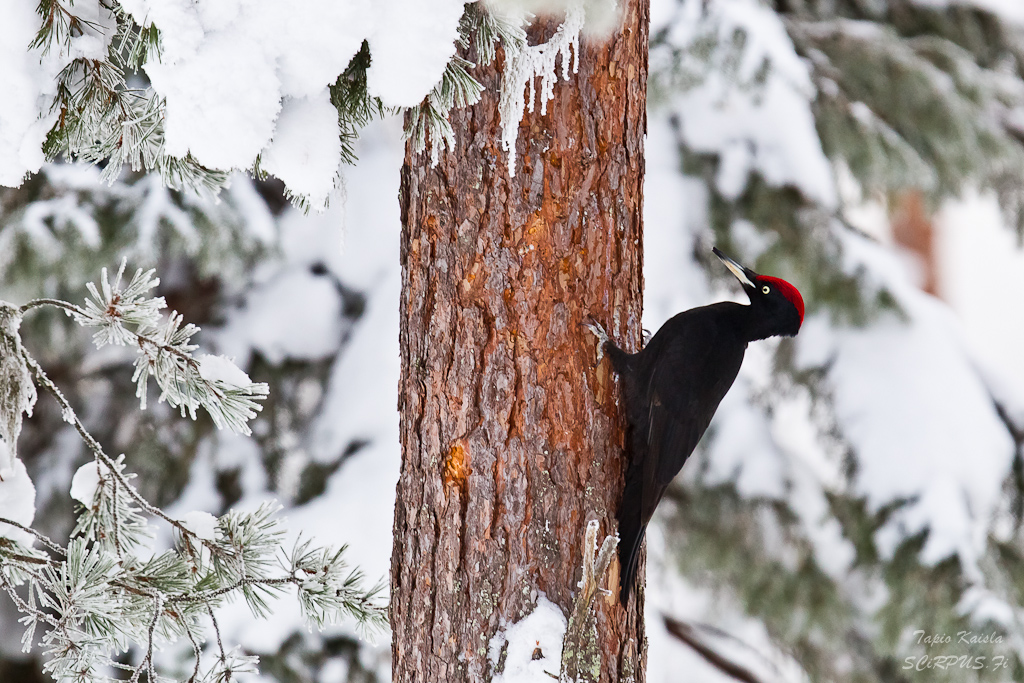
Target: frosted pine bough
{"x":110,"y":590}
{"x":215,"y":384}
{"x":267,"y":87}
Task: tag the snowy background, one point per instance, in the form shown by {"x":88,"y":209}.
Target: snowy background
{"x":875,"y":453}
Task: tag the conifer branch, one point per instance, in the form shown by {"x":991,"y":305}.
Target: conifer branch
{"x":97,"y":596}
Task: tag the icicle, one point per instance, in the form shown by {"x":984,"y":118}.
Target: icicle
{"x":533,"y":61}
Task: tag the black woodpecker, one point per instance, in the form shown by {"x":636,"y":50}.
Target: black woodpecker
{"x":672,"y":387}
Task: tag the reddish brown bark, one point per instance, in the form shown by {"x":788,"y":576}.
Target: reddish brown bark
{"x":912,"y":229}
{"x":511,"y":437}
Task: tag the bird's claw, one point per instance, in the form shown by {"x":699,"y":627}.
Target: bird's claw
{"x":601,"y":335}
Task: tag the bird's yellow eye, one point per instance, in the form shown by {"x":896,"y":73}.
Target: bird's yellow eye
{"x":766,"y":289}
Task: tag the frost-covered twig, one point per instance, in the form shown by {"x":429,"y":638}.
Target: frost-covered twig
{"x":126,"y":315}
{"x":216,"y":629}
{"x":111,"y":466}
{"x":42,"y":537}
{"x":237,"y":561}
{"x":121,"y":305}
{"x":23,"y":606}
{"x":36,"y":303}
{"x":99,"y":596}
{"x":147,"y":660}
{"x":197,"y":652}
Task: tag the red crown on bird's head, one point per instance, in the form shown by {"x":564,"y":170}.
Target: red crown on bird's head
{"x":787,"y":290}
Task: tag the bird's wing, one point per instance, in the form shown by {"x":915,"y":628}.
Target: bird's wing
{"x":655,"y":447}
{"x":687,"y":380}
{"x":671,"y":437}
{"x":677,"y":398}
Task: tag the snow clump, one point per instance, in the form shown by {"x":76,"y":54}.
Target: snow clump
{"x":222,"y":369}
{"x":541,"y":630}
{"x":248,"y":79}
{"x":202,"y":524}
{"x":17,"y":501}
{"x":86,"y":481}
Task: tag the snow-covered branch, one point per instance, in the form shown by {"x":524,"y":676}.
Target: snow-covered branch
{"x":110,"y":591}
{"x":125,"y":315}
{"x":291,"y":107}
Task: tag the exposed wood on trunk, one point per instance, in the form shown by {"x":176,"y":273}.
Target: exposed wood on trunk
{"x":912,"y":229}
{"x":511,"y":437}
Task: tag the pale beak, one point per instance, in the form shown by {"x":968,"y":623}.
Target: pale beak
{"x":736,"y":269}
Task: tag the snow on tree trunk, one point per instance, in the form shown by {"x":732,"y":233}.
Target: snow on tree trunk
{"x":512,"y":439}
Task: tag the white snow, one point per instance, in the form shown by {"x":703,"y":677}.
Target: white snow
{"x":980,"y":264}
{"x":928,"y":432}
{"x":360,"y":397}
{"x":1012,"y":10}
{"x":256,"y":217}
{"x":17,"y":501}
{"x":370,"y":361}
{"x":294,"y":315}
{"x":410,"y":45}
{"x":919,"y":415}
{"x":316,"y":40}
{"x":543,"y":630}
{"x":768,"y":128}
{"x":202,"y":524}
{"x":913,"y":396}
{"x":719,"y":622}
{"x":335,"y":670}
{"x":22,"y":130}
{"x":524,"y":66}
{"x":674,"y":216}
{"x":181,"y":31}
{"x":222,"y":100}
{"x":311,"y":240}
{"x":306,"y":150}
{"x":225,"y":69}
{"x":222,"y":369}
{"x":984,"y":605}
{"x":86,"y":481}
{"x":27,"y":80}
{"x":68,"y":415}
{"x":6,"y":459}
{"x":51,"y":223}
{"x":744,"y":452}
{"x":157,"y":211}
{"x":364,"y":488}
{"x":308,"y":44}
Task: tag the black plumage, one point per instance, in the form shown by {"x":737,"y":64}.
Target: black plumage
{"x":672,"y":387}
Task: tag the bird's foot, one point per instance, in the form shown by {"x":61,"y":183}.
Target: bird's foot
{"x":602,"y":336}
{"x":647,"y":334}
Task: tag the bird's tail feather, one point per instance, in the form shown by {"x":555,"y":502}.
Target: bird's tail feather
{"x":631,"y":535}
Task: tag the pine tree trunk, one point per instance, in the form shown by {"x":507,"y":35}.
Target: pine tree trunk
{"x":512,"y":437}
